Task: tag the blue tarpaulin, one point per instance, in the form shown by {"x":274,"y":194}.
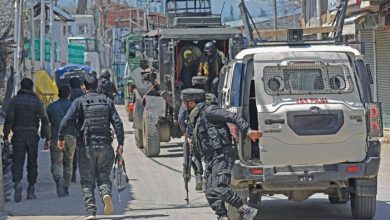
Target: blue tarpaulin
{"x":64,"y":74}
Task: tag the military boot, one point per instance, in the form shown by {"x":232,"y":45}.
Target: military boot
{"x":247,"y":212}
{"x":66,"y":191}
{"x":199,"y":182}
{"x":222,"y":218}
{"x":90,"y":216}
{"x":31,"y":192}
{"x":74,"y":179}
{"x":18,"y":192}
{"x":60,"y":187}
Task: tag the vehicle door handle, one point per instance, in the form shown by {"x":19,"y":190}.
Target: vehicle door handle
{"x":272,"y":121}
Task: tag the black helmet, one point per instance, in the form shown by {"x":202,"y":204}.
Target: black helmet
{"x":94,"y":72}
{"x":210,"y":47}
{"x":105,"y":73}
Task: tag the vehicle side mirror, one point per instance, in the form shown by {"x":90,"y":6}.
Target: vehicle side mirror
{"x":370,"y":78}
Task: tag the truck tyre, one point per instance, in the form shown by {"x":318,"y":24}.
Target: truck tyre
{"x":335,"y":199}
{"x":363,"y":204}
{"x":131,"y":117}
{"x":151,"y":137}
{"x":138,"y":136}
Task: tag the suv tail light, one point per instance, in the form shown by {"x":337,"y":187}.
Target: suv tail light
{"x":374,"y":119}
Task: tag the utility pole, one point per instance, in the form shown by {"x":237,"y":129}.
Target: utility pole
{"x":43,"y":30}
{"x":2,"y":197}
{"x":17,"y":35}
{"x":32,"y":40}
{"x":16,"y":38}
{"x":275,"y":9}
{"x":52,"y":48}
{"x":318,"y":17}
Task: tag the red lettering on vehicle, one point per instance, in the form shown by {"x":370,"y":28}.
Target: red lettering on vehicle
{"x":312,"y":101}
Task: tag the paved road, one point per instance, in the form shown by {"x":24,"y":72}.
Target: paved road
{"x":156,"y":192}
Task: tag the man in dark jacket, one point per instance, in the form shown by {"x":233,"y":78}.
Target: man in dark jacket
{"x":61,"y":161}
{"x":189,"y":69}
{"x":76,"y":91}
{"x":212,"y":139}
{"x":211,"y":63}
{"x":92,"y":114}
{"x":25,"y":113}
{"x":105,"y":86}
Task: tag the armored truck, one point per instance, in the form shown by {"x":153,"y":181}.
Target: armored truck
{"x":191,"y":25}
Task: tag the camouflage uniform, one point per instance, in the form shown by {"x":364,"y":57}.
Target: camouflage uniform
{"x":212,"y":139}
{"x":93,"y":114}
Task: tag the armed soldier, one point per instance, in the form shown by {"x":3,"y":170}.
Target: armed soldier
{"x":92,"y":115}
{"x":211,"y":63}
{"x":212,"y":139}
{"x":24,"y":113}
{"x":105,"y":86}
{"x":195,"y":160}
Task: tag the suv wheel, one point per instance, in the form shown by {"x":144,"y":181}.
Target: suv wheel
{"x":335,"y":199}
{"x":363,"y":198}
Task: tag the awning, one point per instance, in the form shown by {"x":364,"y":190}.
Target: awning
{"x":354,"y":18}
{"x":59,"y":14}
{"x":361,"y":21}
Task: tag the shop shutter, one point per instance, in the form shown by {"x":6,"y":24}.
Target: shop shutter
{"x":382,"y":48}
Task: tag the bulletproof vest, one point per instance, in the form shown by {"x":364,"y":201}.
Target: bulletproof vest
{"x":214,"y":137}
{"x":106,"y":88}
{"x":96,"y":119}
{"x":26,"y":112}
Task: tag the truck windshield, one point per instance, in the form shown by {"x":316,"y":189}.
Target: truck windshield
{"x":308,"y":78}
{"x":188,"y":6}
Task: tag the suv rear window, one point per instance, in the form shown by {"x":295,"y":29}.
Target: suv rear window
{"x":307,"y":78}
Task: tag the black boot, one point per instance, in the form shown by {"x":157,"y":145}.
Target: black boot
{"x":199,"y":182}
{"x":247,"y":212}
{"x":31,"y":192}
{"x":60,"y":187}
{"x":18,"y":192}
{"x":66,"y":191}
{"x":74,"y":179}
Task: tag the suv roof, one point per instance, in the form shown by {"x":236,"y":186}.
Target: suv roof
{"x":297,"y":48}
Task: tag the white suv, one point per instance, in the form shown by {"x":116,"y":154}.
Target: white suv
{"x":321,"y":126}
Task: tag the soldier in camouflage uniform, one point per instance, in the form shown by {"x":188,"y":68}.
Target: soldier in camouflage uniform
{"x":92,"y":114}
{"x":61,"y":161}
{"x":212,"y":139}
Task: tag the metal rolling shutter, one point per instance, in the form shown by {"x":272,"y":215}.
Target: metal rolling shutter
{"x":382,"y":48}
{"x":367,"y":37}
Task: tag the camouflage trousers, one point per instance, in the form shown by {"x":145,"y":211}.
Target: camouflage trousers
{"x":62,"y":161}
{"x":95,"y":165}
{"x":218,"y":178}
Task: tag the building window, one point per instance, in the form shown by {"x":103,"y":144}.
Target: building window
{"x":83,"y":29}
{"x":387,"y":19}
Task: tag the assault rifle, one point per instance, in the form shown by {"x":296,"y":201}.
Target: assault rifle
{"x":186,"y":167}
